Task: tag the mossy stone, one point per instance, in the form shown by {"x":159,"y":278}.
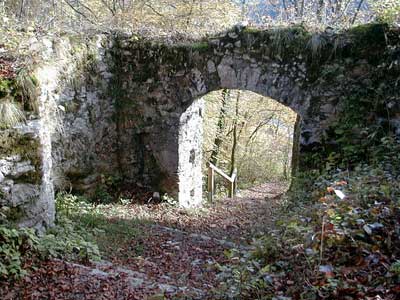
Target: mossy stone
{"x":13,"y":143}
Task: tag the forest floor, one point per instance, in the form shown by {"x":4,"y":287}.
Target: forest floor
{"x":157,"y":251}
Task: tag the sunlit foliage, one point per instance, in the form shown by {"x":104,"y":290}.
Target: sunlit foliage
{"x":264,"y":136}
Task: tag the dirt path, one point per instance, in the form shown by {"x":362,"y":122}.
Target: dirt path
{"x":237,"y":219}
{"x":179,"y":252}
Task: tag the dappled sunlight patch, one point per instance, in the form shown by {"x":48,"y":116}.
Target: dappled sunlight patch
{"x":111,"y":226}
{"x":238,"y":219}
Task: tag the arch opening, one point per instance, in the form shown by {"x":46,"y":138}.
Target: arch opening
{"x":235,"y":129}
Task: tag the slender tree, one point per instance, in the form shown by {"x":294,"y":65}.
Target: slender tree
{"x":225,"y":94}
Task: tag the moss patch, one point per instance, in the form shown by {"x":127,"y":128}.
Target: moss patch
{"x":366,"y":41}
{"x":22,"y":89}
{"x":369,"y":34}
{"x":251,"y":30}
{"x":200,"y":46}
{"x":6,"y":87}
{"x":13,"y":143}
{"x":14,"y":214}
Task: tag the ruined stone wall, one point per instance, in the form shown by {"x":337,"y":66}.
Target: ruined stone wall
{"x":22,"y":194}
{"x":84,"y":147}
{"x":69,"y":140}
{"x":190,"y":155}
{"x":129,"y":108}
{"x":314,"y":74}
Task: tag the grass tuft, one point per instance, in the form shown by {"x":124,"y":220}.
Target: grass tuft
{"x":10,"y":113}
{"x":281,"y":38}
{"x":28,"y":86}
{"x":338,"y":44}
{"x":316,"y":44}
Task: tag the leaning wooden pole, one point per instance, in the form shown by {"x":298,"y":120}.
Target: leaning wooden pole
{"x":210,"y":185}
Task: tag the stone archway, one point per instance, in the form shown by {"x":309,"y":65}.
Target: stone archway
{"x":190,"y":156}
{"x":161,"y":84}
{"x":126,"y":102}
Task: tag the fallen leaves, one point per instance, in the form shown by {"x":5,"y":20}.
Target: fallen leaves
{"x":7,"y":70}
{"x":174,"y":262}
{"x":327,"y":270}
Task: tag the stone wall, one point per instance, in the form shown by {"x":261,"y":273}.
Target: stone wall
{"x":70,"y":136}
{"x":22,"y":194}
{"x":163,"y":81}
{"x":124,"y":107}
{"x":190,"y":156}
{"x":84,"y":147}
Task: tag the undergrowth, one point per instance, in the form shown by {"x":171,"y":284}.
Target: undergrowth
{"x":338,"y":237}
{"x":21,"y":249}
{"x":83,"y":232}
{"x":110,"y":226}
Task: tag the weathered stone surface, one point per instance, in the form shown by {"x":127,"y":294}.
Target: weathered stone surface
{"x":190,"y":155}
{"x":23,"y":193}
{"x":133,"y":110}
{"x":20,"y":172}
{"x":22,"y":168}
{"x":161,"y":85}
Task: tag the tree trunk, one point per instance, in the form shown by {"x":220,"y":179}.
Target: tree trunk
{"x":220,"y":127}
{"x":320,"y":10}
{"x":235,"y":136}
{"x":21,"y":10}
{"x":296,"y":146}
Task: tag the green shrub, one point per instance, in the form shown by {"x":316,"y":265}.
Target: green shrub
{"x":106,"y":225}
{"x":62,"y":241}
{"x":266,"y":249}
{"x":102,"y":196}
{"x":395,"y":268}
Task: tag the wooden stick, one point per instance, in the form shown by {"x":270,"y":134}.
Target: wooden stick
{"x":210,"y":184}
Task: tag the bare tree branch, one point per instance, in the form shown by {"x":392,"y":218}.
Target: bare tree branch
{"x":79,"y":12}
{"x":357,"y":11}
{"x":154,"y":10}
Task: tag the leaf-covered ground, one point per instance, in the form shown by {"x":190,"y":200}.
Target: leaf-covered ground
{"x":340,"y":241}
{"x":171,"y":253}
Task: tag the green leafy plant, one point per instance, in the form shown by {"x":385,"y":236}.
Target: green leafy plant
{"x":15,"y":246}
{"x":102,"y":196}
{"x":67,"y":241}
{"x":395,"y":268}
{"x":103,"y":225}
{"x":266,"y":249}
{"x":169,"y":199}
